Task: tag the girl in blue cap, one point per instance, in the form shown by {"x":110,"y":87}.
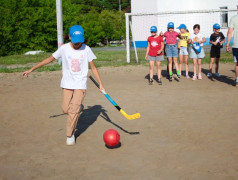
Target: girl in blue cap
{"x":216,"y":39}
{"x":154,"y":53}
{"x":75,"y":57}
{"x":183,"y":47}
{"x":172,"y":49}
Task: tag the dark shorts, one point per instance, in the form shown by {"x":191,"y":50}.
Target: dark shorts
{"x":235,"y":54}
{"x":215,"y":53}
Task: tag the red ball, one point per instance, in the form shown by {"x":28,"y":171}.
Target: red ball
{"x":111,"y":137}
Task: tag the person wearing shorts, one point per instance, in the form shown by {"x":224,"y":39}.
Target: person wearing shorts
{"x":216,"y":39}
{"x":183,"y":48}
{"x":197,"y":37}
{"x":233,"y":29}
{"x":154,"y":53}
{"x":172,"y":49}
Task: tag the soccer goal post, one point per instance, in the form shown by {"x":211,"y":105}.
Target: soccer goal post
{"x":138,"y":26}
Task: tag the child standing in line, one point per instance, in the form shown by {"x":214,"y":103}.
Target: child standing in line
{"x":196,"y":38}
{"x":172,"y":49}
{"x":154,"y":53}
{"x":216,"y":39}
{"x":75,"y":57}
{"x":183,"y":46}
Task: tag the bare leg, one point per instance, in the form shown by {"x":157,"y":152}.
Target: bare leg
{"x":151,"y":63}
{"x":181,"y":63}
{"x":200,"y":66}
{"x":186,"y":64}
{"x":158,"y":65}
{"x":170,"y":66}
{"x":211,"y":64}
{"x":176,"y":65}
{"x":194,"y":67}
{"x":217,"y":65}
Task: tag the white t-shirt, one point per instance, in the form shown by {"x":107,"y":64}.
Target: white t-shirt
{"x":234,"y":24}
{"x":74,"y":65}
{"x":197,"y":37}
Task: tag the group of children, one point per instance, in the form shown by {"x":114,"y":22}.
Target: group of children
{"x":167,"y":43}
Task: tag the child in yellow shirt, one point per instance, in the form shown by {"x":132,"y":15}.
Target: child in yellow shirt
{"x":183,"y":46}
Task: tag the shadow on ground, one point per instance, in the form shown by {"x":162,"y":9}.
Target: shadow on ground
{"x":90,"y":115}
{"x":224,"y":79}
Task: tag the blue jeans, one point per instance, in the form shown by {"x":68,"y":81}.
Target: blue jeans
{"x":171,"y":50}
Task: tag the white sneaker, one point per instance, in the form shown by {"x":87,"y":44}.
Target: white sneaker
{"x":70,"y":140}
{"x":217,"y":75}
{"x":209,"y":75}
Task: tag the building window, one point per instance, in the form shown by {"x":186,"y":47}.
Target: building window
{"x":224,"y":17}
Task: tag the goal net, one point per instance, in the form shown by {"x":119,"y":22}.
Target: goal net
{"x":138,"y":26}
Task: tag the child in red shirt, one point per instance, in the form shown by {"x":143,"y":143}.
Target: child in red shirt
{"x":154,"y":53}
{"x":172,"y":49}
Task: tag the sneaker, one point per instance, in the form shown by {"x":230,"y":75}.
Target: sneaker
{"x":170,"y":78}
{"x":209,"y":75}
{"x":194,"y":77}
{"x":151,"y":81}
{"x":217,"y":75}
{"x":70,"y":140}
{"x":178,"y":76}
{"x":200,"y":77}
{"x":187,"y":76}
{"x":159,"y":82}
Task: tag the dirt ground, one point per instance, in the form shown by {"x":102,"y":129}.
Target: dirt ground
{"x":187,"y":130}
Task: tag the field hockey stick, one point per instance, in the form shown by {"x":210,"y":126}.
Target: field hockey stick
{"x":130,"y":117}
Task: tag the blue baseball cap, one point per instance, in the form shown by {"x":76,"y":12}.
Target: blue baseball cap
{"x":216,"y":26}
{"x":182,"y":26}
{"x":170,"y":25}
{"x":153,"y":29}
{"x":76,"y":33}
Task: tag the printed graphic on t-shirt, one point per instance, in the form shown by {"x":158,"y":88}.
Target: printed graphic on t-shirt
{"x":75,"y":65}
{"x":196,"y":39}
{"x":154,"y":43}
{"x":218,"y":39}
{"x":185,"y":37}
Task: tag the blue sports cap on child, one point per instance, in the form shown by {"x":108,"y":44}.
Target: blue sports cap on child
{"x":170,"y":25}
{"x":76,"y":33}
{"x":153,"y":29}
{"x":182,"y":26}
{"x":216,"y":26}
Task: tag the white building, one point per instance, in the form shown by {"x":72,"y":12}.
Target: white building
{"x":141,"y":24}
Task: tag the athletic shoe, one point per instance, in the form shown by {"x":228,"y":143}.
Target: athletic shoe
{"x":194,"y":78}
{"x":170,"y":78}
{"x":178,"y":76}
{"x":187,"y":76}
{"x":159,"y":82}
{"x":217,"y":75}
{"x":209,"y":75}
{"x":200,"y":77}
{"x":151,"y":81}
{"x":70,"y":140}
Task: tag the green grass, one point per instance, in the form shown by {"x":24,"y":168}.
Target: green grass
{"x":20,"y":63}
{"x":23,"y":59}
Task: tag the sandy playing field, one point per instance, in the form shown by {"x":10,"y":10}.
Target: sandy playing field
{"x":188,"y":130}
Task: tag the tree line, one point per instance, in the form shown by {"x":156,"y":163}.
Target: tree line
{"x":31,"y":24}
